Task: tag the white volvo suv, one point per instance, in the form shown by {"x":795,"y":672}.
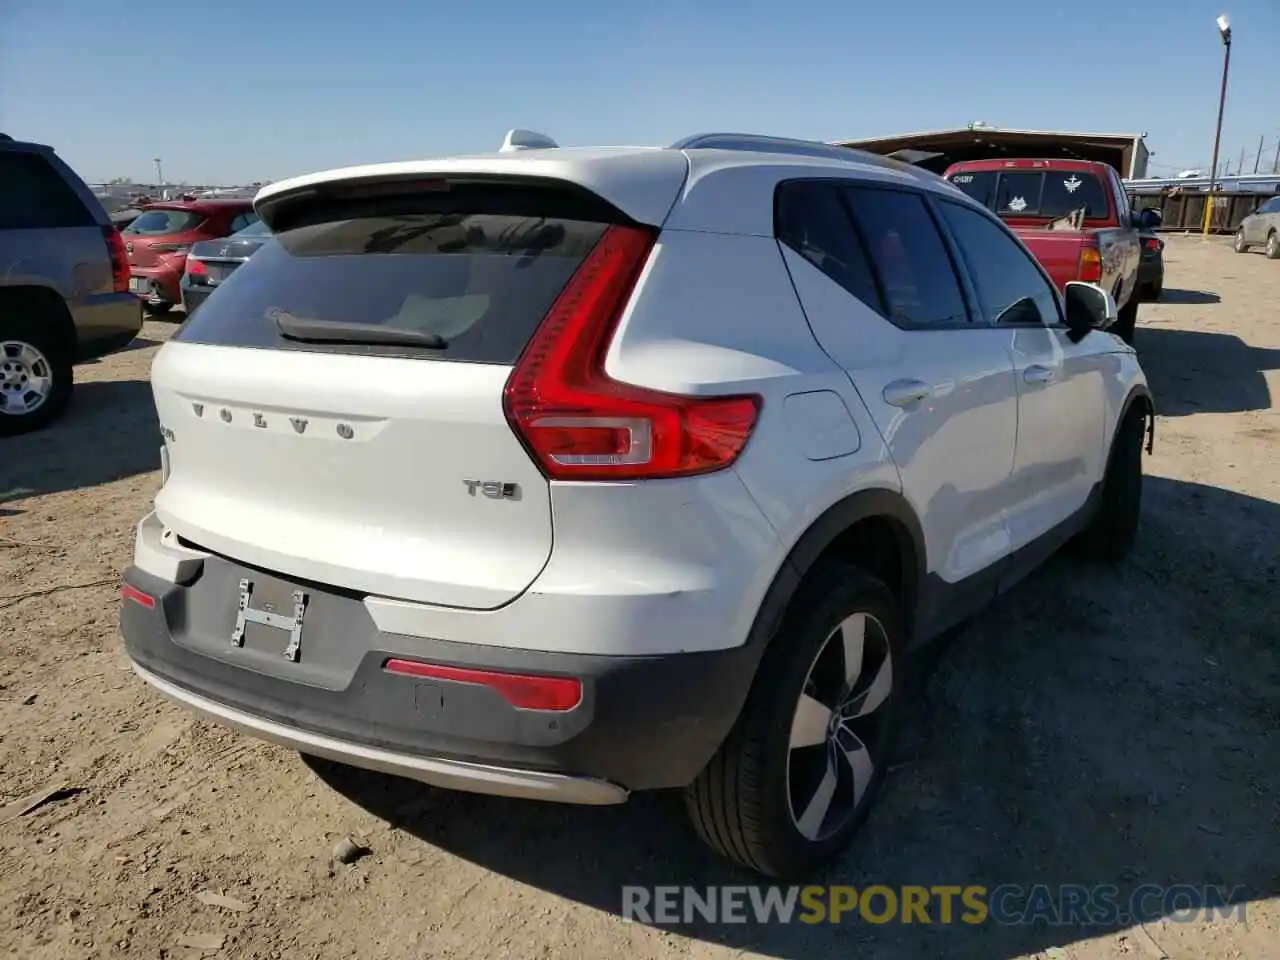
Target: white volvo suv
{"x":563,"y":473}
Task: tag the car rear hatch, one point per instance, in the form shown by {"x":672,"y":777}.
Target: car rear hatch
{"x":210,"y":262}
{"x":158,"y":232}
{"x":335,"y":413}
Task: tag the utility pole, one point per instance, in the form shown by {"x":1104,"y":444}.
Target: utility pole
{"x":1224,"y":30}
{"x":1258,"y":161}
{"x":1240,"y":165}
{"x":1275,"y":164}
{"x":159,"y":173}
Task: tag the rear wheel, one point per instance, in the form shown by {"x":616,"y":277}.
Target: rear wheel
{"x":798,"y":774}
{"x":1127,"y":320}
{"x":1240,"y":245}
{"x":1113,"y":529}
{"x":1273,"y":246}
{"x":35,"y":369}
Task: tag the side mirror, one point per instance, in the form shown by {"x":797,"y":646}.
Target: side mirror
{"x":1147,"y":219}
{"x":1088,"y":307}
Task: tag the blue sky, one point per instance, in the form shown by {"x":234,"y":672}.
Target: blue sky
{"x":234,"y":90}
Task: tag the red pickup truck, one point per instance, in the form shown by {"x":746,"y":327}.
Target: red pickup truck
{"x":1073,"y":215}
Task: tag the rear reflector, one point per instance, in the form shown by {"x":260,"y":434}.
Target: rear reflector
{"x":520,"y":690}
{"x":130,"y":592}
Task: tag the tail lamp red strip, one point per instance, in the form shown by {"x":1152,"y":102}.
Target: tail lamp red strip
{"x":528,"y":692}
{"x":130,"y":592}
{"x":577,"y":422}
{"x":1090,"y":265}
{"x":119,"y":259}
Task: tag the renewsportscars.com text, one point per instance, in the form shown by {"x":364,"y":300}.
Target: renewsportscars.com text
{"x":1008,"y":904}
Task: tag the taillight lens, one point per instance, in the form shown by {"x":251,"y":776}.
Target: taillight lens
{"x":119,"y":260}
{"x":1090,"y":265}
{"x":1154,"y":244}
{"x":196,"y":268}
{"x":581,"y":425}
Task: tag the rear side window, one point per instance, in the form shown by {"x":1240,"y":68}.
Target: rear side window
{"x":812,"y":221}
{"x":919,"y":280}
{"x":159,"y":223}
{"x":34,"y":195}
{"x":480,"y":275}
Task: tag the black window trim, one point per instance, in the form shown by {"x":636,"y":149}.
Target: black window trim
{"x":1108,"y":191}
{"x":967,"y":291}
{"x":1008,"y":231}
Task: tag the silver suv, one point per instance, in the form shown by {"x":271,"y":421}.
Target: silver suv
{"x":64,"y":284}
{"x":565,"y":473}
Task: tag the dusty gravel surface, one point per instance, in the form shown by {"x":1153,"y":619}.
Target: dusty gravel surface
{"x":1094,"y":727}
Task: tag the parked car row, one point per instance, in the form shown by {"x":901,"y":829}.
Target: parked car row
{"x":162,"y":235}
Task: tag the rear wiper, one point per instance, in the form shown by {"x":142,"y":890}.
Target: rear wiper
{"x":339,"y":331}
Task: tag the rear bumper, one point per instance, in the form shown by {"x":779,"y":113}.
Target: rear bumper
{"x":643,"y":722}
{"x":165,"y":280}
{"x":104,"y":323}
{"x":193,"y":297}
{"x":452,"y":774}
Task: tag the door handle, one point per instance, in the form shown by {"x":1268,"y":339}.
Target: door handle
{"x":1039,"y":373}
{"x":903,"y":393}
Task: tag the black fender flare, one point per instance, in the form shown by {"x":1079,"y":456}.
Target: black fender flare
{"x":1140,"y":394}
{"x":875,"y":503}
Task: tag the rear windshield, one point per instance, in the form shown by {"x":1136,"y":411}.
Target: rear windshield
{"x":158,"y":223}
{"x":480,"y":281}
{"x":1026,"y":193}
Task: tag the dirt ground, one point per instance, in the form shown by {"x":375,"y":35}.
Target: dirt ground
{"x":1093,"y":727}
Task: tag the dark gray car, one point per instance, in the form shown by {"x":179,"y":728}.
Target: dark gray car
{"x":64,"y":284}
{"x":210,"y":262}
{"x":1261,"y":228}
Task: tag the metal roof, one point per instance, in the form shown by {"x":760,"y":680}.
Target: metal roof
{"x":986,"y":128}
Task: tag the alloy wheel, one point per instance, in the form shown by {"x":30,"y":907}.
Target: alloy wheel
{"x":26,"y":378}
{"x":837,"y":731}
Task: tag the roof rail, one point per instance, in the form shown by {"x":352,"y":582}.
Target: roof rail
{"x":803,"y":148}
{"x":765,"y":144}
{"x":518,"y":139}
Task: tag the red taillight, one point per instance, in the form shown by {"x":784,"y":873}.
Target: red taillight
{"x":196,"y":268}
{"x":1090,"y":265}
{"x":1153,"y":243}
{"x":119,"y":260}
{"x":520,"y":690}
{"x":130,"y":592}
{"x":581,"y":425}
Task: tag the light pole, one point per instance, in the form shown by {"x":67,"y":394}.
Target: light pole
{"x":160,"y":175}
{"x":1224,"y":28}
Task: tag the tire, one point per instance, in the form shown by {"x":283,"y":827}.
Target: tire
{"x":1155,"y":290}
{"x":1240,"y":245}
{"x":33,"y":354}
{"x":1113,"y":529}
{"x":755,"y":801}
{"x":156,"y":309}
{"x":1127,"y":321}
{"x":1273,"y":246}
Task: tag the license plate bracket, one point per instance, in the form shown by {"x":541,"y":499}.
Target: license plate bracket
{"x":291,"y":624}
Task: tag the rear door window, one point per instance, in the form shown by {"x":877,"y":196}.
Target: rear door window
{"x":919,"y":280}
{"x":34,"y":196}
{"x":159,"y":223}
{"x":479,"y":272}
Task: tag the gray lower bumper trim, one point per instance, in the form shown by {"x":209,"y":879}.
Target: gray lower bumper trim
{"x":450,"y":774}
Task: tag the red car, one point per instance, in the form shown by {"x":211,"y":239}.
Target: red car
{"x":157,"y":243}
